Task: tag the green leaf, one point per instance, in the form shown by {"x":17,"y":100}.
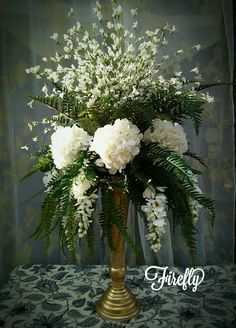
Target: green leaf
{"x":90,"y":174}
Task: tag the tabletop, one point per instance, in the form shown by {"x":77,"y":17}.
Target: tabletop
{"x":65,"y":296}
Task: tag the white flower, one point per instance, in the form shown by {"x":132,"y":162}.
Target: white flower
{"x":207,"y":97}
{"x":48,"y":177}
{"x":117,"y":11}
{"x":133,"y":12}
{"x":71,"y":11}
{"x":33,"y":70}
{"x":80,"y":186}
{"x":66,"y":142}
{"x":135,"y":25}
{"x":109,"y":25}
{"x":195,"y":70}
{"x":178,"y":73}
{"x":31,"y":103}
{"x":84,"y":203}
{"x":197,"y":46}
{"x":168,"y":135}
{"x":30,"y":126}
{"x":117,"y":144}
{"x":26,"y":147}
{"x":84,"y":213}
{"x":155,"y":212}
{"x":54,"y":37}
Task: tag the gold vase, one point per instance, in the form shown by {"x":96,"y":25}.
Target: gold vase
{"x":118,"y":302}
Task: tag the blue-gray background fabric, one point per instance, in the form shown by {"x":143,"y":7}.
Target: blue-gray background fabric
{"x":25,"y":29}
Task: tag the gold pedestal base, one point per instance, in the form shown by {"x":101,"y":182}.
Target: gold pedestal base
{"x":117,"y":304}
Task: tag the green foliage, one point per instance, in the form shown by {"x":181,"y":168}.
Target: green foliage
{"x":88,"y":125}
{"x":113,"y":215}
{"x":168,"y":169}
{"x":196,"y":157}
{"x":68,"y":105}
{"x":44,"y":164}
{"x":59,"y":209}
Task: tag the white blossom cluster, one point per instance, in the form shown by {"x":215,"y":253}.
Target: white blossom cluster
{"x":116,"y":144}
{"x":168,"y":135}
{"x":84,"y":203}
{"x":122,"y":66}
{"x":194,"y":205}
{"x":155,"y":212}
{"x":66,"y":142}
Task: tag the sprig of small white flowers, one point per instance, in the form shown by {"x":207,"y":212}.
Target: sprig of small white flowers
{"x":122,"y":66}
{"x":155,"y":212}
{"x":194,"y":205}
{"x":84,"y":203}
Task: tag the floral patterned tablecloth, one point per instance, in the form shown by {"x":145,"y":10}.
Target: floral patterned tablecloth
{"x":65,"y":295}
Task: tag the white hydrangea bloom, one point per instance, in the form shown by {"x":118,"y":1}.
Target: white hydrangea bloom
{"x":117,"y":144}
{"x":168,"y":135}
{"x":155,"y":211}
{"x":66,"y":142}
{"x":84,"y":203}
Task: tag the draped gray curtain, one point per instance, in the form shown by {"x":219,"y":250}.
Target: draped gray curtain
{"x":25,"y":28}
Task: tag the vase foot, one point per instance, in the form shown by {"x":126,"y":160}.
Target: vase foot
{"x":117,"y":304}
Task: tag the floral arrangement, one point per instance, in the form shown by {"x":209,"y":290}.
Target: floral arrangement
{"x":117,"y":122}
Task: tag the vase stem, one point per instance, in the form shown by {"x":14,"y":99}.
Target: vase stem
{"x":118,"y":303}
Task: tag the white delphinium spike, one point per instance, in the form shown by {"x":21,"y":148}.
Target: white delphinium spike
{"x":84,"y":202}
{"x":155,"y":212}
{"x":45,"y":89}
{"x":194,"y":204}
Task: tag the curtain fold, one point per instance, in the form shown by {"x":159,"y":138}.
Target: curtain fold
{"x":25,"y":29}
